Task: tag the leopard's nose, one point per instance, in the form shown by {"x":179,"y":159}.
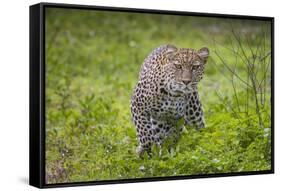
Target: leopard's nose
{"x":187,"y":81}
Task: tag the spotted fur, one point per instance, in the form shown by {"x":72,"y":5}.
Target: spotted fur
{"x":167,"y":92}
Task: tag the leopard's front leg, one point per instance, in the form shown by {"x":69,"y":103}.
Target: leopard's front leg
{"x":194,"y":115}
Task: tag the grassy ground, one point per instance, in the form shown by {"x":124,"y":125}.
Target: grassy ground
{"x":92,"y":64}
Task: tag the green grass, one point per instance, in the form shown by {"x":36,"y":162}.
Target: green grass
{"x":92,"y":64}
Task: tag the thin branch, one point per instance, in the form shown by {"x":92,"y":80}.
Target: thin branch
{"x":236,"y":75}
{"x":227,"y":105}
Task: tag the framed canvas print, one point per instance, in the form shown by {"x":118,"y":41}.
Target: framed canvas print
{"x":128,"y":95}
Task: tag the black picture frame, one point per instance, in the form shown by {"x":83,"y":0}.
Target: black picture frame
{"x":37,"y":94}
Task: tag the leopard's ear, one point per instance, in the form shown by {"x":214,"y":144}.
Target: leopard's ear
{"x":204,"y":53}
{"x":171,"y":48}
{"x":170,"y":51}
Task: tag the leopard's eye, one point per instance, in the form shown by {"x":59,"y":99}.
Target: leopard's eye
{"x":195,"y":67}
{"x":196,"y":63}
{"x":178,"y":66}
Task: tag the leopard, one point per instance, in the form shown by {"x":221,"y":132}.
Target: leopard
{"x":165,"y":94}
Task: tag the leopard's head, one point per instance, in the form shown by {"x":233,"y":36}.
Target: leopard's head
{"x":186,"y":68}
